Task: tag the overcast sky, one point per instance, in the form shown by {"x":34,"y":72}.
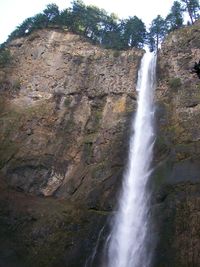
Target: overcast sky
{"x":13,"y":12}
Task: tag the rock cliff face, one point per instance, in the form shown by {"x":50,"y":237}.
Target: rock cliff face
{"x":177,"y":173}
{"x":65,"y":112}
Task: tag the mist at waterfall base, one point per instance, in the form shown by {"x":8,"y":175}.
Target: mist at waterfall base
{"x":129,"y":243}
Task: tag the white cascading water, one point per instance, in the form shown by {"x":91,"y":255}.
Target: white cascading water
{"x":127,"y":243}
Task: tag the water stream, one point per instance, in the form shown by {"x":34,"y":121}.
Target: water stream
{"x":128,"y":244}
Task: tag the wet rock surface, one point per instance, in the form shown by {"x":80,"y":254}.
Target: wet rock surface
{"x":177,"y":163}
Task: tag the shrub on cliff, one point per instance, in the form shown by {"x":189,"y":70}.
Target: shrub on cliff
{"x":5,"y":57}
{"x":175,"y":83}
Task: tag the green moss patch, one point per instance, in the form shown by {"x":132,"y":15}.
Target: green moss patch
{"x":175,"y":83}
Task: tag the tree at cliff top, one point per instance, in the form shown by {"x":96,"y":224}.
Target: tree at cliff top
{"x":111,"y":32}
{"x":101,"y":28}
{"x":134,"y":32}
{"x":174,"y":19}
{"x":157,"y":32}
{"x":21,"y":30}
{"x":90,"y":21}
{"x":93,"y":23}
{"x":50,"y":15}
{"x":78,"y":17}
{"x":193,"y":8}
{"x":51,"y":12}
{"x":96,"y":24}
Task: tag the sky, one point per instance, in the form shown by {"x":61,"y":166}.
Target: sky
{"x":13,"y":12}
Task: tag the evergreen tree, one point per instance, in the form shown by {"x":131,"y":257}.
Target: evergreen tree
{"x":92,"y":22}
{"x":157,"y":32}
{"x":65,"y":18}
{"x":134,"y":32}
{"x":39,"y":21}
{"x":193,"y":8}
{"x":111,"y":36}
{"x":151,"y":42}
{"x":174,"y":19}
{"x":24,"y":28}
{"x":78,"y":16}
{"x":51,"y":12}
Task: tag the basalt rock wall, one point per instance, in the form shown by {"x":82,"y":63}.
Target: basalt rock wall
{"x":65,"y":112}
{"x":66,"y":107}
{"x":177,"y":151}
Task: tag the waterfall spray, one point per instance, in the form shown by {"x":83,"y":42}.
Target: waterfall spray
{"x":127,"y":243}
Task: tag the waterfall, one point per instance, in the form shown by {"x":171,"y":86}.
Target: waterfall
{"x":127,"y":243}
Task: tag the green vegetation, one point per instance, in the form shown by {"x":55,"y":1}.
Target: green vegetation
{"x":91,"y":22}
{"x":160,"y":27}
{"x":175,"y":83}
{"x":16,"y":85}
{"x":174,"y":19}
{"x":5,"y":57}
{"x":67,"y":102}
{"x":192,"y":7}
{"x":107,"y":29}
{"x":116,"y":53}
{"x":157,"y":32}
